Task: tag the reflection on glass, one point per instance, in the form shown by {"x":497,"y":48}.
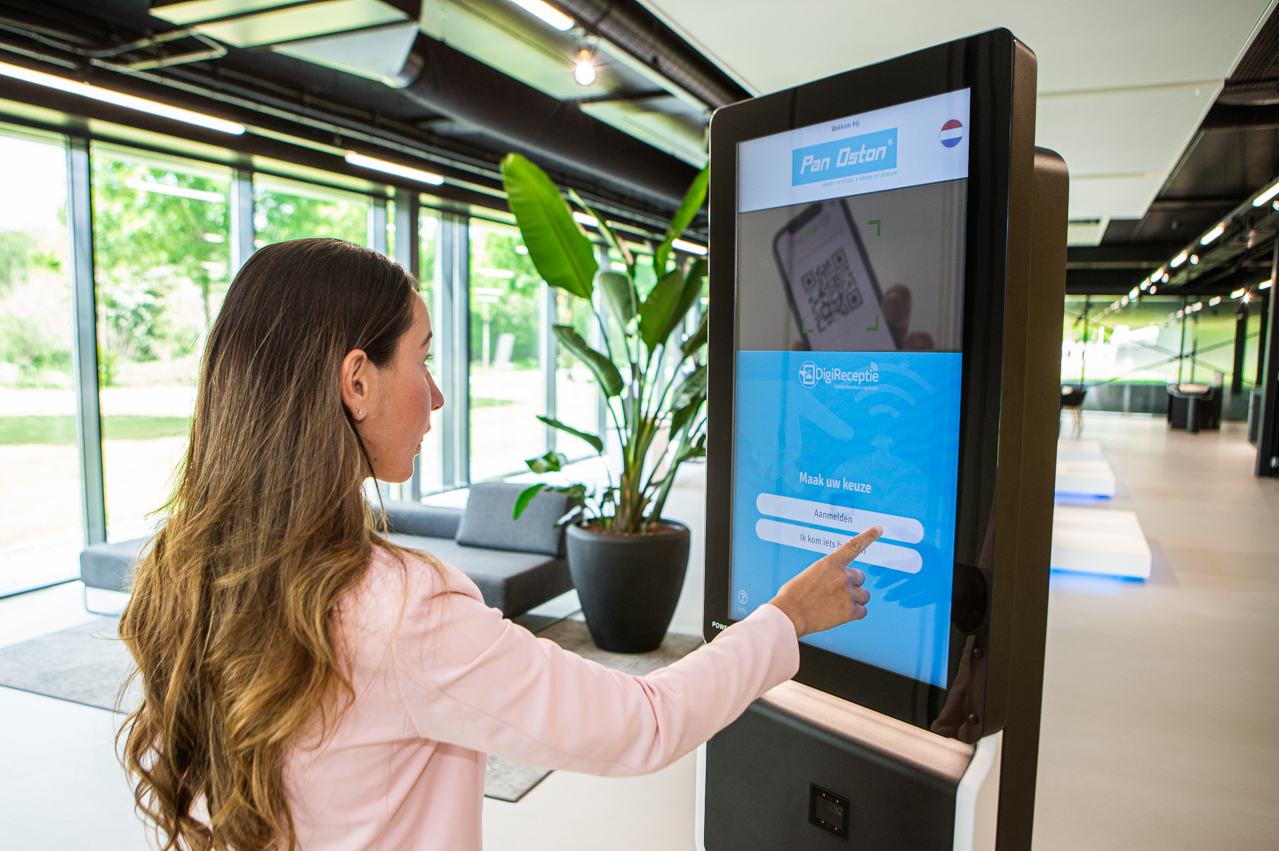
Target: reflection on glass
{"x":507,"y":382}
{"x":161,"y":263}
{"x":40,"y":524}
{"x":288,"y":209}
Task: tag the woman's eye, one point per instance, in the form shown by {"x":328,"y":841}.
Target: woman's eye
{"x":430,"y":357}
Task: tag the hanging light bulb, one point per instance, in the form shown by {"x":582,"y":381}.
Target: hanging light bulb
{"x":585,"y":71}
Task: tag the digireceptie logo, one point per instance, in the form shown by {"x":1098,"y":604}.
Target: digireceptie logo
{"x":810,"y":375}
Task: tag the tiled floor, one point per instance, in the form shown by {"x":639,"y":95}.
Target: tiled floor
{"x":1161,"y":719}
{"x":1161,"y":700}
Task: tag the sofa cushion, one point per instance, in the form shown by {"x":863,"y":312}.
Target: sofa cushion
{"x":511,"y":581}
{"x":427,"y":521}
{"x":110,"y":566}
{"x":486,"y":521}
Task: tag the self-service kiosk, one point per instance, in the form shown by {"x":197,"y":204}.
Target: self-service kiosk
{"x":887,"y":265}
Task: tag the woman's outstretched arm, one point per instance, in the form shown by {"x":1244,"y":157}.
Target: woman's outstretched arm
{"x":472,"y":678}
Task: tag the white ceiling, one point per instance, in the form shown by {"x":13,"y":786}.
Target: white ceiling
{"x":1122,"y":83}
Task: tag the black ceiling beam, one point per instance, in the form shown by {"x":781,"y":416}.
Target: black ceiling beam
{"x":305,"y":107}
{"x":1109,"y":282}
{"x":81,"y":113}
{"x":466,"y":90}
{"x":1121,"y":255}
{"x":1113,"y":283}
{"x":1226,"y":116}
{"x":1173,"y":204}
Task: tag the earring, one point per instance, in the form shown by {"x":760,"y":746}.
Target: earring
{"x":359,"y":413}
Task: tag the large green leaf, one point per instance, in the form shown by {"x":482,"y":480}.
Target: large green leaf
{"x":655,"y":315}
{"x":699,"y":337}
{"x":593,"y":440}
{"x":607,"y":232}
{"x":686,"y":413}
{"x":570,"y":491}
{"x":551,"y":462}
{"x":693,"y":200}
{"x":563,"y":255}
{"x":692,"y":290}
{"x":526,"y":496}
{"x":621,"y":296}
{"x":694,"y":385}
{"x":610,"y":380}
{"x":671,"y":303}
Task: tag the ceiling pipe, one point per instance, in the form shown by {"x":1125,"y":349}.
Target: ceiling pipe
{"x":640,"y":33}
{"x":467,"y":91}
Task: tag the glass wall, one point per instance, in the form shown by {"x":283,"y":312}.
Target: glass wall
{"x":1127,"y":357}
{"x":507,"y":383}
{"x":577,"y":398}
{"x":290,"y":209}
{"x":162,"y":263}
{"x":431,"y":462}
{"x":40,"y":523}
{"x":162,"y":255}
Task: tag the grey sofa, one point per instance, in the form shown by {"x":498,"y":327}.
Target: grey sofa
{"x":517,"y":564}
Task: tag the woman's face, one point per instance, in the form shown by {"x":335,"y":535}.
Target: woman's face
{"x":392,"y":405}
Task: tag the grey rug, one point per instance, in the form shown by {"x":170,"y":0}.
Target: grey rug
{"x":88,"y":664}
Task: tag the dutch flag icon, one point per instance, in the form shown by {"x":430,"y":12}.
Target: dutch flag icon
{"x":951,"y":133}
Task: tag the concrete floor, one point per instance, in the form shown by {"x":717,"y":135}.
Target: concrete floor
{"x":1161,"y":699}
{"x":1161,"y":705}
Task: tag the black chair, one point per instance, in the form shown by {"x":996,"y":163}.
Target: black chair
{"x":1072,"y":400}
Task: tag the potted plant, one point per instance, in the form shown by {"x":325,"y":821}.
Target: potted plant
{"x":627,"y":561}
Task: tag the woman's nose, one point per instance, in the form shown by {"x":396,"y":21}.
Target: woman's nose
{"x":437,"y":395}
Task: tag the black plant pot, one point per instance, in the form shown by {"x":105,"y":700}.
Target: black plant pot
{"x":628,"y":584}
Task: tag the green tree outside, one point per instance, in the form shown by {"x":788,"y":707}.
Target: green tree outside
{"x":515,"y":311}
{"x":148,"y":243}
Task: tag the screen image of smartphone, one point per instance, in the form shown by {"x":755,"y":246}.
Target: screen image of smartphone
{"x":832,"y":289}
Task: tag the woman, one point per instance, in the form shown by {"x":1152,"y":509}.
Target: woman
{"x":309,"y":685}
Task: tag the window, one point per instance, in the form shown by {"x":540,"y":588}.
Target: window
{"x":1148,"y":342}
{"x":577,"y":398}
{"x":161,"y":261}
{"x":507,"y":382}
{"x":289,"y":209}
{"x":432,"y":457}
{"x":40,"y":529}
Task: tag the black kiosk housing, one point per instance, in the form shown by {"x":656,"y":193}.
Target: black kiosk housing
{"x":853,"y":753}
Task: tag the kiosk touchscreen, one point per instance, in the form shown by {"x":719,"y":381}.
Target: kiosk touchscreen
{"x":878,"y":357}
{"x":850,"y":258}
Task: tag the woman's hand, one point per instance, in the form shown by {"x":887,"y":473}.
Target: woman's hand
{"x":829,"y":592}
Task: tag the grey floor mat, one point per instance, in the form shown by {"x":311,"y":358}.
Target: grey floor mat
{"x":85,"y":664}
{"x":88,"y":664}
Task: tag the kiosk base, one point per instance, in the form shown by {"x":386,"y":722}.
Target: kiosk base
{"x":802,"y":769}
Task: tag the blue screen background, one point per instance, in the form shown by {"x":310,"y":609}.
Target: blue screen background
{"x":886,"y":421}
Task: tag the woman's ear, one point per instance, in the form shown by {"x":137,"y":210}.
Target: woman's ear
{"x":357,"y":383}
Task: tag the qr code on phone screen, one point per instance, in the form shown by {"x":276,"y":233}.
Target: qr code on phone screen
{"x":832,"y":292}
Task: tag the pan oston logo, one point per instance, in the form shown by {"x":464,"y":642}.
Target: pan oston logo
{"x":951,"y":133}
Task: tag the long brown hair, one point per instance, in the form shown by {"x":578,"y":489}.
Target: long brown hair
{"x":230,"y":619}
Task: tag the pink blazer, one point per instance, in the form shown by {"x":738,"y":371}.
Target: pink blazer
{"x":441,"y":680}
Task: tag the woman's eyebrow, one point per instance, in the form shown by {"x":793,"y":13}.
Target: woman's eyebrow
{"x":427,"y":341}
